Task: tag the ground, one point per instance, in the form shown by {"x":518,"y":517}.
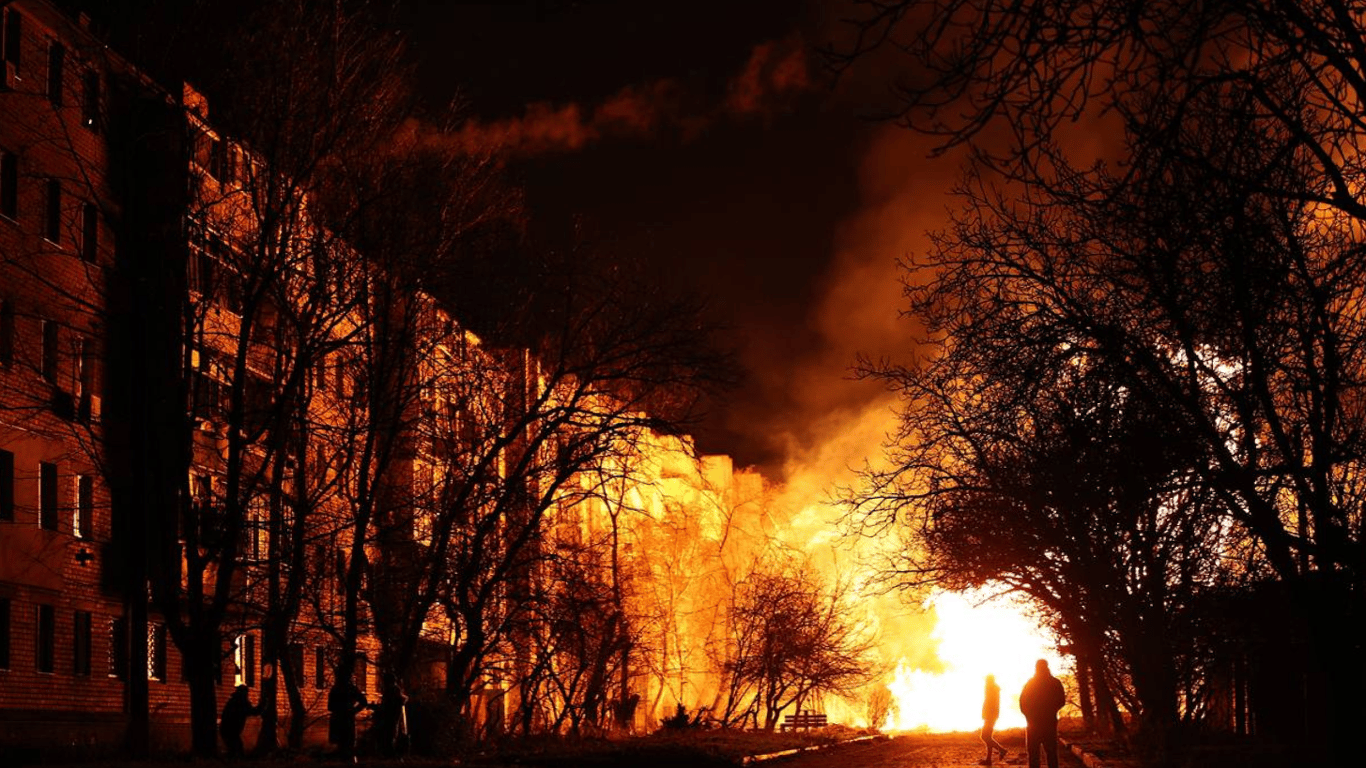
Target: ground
{"x":692,"y":749}
{"x":949,"y":750}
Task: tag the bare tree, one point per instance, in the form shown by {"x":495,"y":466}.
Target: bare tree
{"x":794,"y":641}
{"x":267,"y":285}
{"x":1214,"y":273}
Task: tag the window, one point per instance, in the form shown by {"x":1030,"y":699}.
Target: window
{"x":9,"y":185}
{"x":84,"y":379}
{"x":363,"y":671}
{"x":6,"y":485}
{"x":6,"y":333}
{"x":255,"y":531}
{"x":319,"y":668}
{"x":249,"y":661}
{"x":90,"y":99}
{"x":49,"y":351}
{"x":156,"y":651}
{"x":80,"y":646}
{"x":14,"y":35}
{"x":245,"y":658}
{"x":90,"y":232}
{"x":83,"y":521}
{"x":118,"y":648}
{"x":52,"y":214}
{"x":4,"y":632}
{"x":296,"y":663}
{"x":46,"y":641}
{"x":47,"y":495}
{"x":56,"y":58}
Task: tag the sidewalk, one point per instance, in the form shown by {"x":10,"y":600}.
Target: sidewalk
{"x":751,"y":759}
{"x":1093,"y":755}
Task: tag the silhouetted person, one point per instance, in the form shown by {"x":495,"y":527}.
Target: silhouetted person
{"x":991,"y":710}
{"x":343,"y":702}
{"x":1040,"y":701}
{"x":391,"y":722}
{"x":235,"y":713}
{"x":626,"y":712}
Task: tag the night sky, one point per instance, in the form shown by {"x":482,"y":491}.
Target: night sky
{"x":747,"y":172}
{"x":708,"y":138}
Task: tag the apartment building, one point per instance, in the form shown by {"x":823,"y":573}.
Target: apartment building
{"x":188,"y":410}
{"x":62,"y":619}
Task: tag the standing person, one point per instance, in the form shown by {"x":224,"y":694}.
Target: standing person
{"x":391,"y":721}
{"x":343,"y":702}
{"x":991,"y":710}
{"x":1040,"y":701}
{"x":235,"y":713}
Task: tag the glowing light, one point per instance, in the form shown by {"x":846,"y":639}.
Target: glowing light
{"x":973,"y":641}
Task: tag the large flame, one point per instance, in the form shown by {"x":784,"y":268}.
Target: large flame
{"x":974,"y":640}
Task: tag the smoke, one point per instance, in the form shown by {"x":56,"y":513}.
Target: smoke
{"x":775,"y":73}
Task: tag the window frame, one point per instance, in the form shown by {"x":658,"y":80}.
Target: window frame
{"x":9,"y":185}
{"x":6,"y":485}
{"x":56,"y":72}
{"x":45,"y":638}
{"x":48,"y":507}
{"x":90,"y":232}
{"x":82,"y":624}
{"x":52,"y":211}
{"x":83,"y":516}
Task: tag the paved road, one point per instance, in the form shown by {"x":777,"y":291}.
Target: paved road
{"x":951,"y":750}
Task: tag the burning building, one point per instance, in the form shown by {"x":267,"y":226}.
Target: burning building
{"x":236,"y":450}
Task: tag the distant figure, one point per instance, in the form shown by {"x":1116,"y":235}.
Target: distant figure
{"x":391,"y":718}
{"x":1040,"y":701}
{"x":235,"y":713}
{"x":991,"y":710}
{"x":626,"y":712}
{"x":343,"y":702}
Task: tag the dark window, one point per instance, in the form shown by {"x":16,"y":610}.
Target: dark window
{"x":56,"y":58}
{"x":81,"y":644}
{"x":319,"y":668}
{"x":14,"y":35}
{"x":118,"y":648}
{"x":46,"y":641}
{"x":6,"y":332}
{"x":6,"y":485}
{"x":90,"y":232}
{"x":84,"y":522}
{"x":52,"y":216}
{"x":363,"y":671}
{"x":47,"y":495}
{"x":9,"y":185}
{"x":90,"y":99}
{"x":49,"y":356}
{"x":156,"y":652}
{"x":200,"y":272}
{"x":4,"y":632}
{"x":84,"y":379}
{"x":296,"y":663}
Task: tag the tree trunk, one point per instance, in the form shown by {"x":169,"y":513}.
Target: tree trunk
{"x":200,"y":667}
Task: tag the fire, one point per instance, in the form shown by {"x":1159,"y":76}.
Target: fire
{"x":973,"y":641}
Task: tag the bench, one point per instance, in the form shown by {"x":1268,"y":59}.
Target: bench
{"x":806,"y":719}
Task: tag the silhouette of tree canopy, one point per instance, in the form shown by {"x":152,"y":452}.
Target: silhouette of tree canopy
{"x":1211,"y":282}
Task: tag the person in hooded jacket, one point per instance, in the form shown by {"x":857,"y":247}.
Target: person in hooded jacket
{"x":1040,"y":701}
